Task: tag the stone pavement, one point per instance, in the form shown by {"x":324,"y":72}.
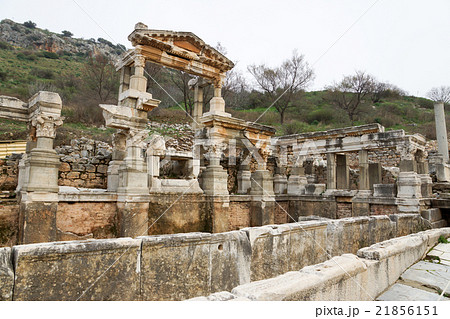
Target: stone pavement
{"x":425,"y":280}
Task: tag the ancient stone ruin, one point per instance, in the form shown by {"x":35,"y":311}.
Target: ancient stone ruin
{"x":255,"y":206}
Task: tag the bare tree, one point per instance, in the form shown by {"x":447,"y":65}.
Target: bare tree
{"x":283,"y":84}
{"x":440,"y":94}
{"x":101,"y":77}
{"x":382,"y":90}
{"x":235,"y":90}
{"x":350,"y":92}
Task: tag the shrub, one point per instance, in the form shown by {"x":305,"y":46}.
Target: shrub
{"x":67,"y":34}
{"x":295,"y":127}
{"x":30,"y":24}
{"x":26,"y":55}
{"x":2,"y":75}
{"x":425,"y":103}
{"x":104,"y":41}
{"x":4,"y":46}
{"x":321,"y":115}
{"x":43,"y":73}
{"x":49,"y":55}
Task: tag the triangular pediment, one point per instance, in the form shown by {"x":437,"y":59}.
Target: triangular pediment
{"x":185,"y":45}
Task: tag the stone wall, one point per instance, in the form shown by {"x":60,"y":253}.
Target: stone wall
{"x":84,"y":163}
{"x":9,"y":171}
{"x":182,"y":266}
{"x":348,"y":277}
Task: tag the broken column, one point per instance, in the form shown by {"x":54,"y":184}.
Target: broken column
{"x":297,"y":181}
{"x":217,"y":103}
{"x":39,"y":190}
{"x":424,"y":174}
{"x":244,"y":179}
{"x":117,"y":156}
{"x":262,"y":211}
{"x":280,"y":182}
{"x":408,"y":186}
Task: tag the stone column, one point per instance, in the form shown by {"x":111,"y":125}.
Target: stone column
{"x":118,"y":155}
{"x":38,"y":196}
{"x":360,"y":204}
{"x":138,"y":81}
{"x":215,"y":177}
{"x":125,"y":73}
{"x":425,"y":178}
{"x":441,"y":130}
{"x":364,"y":183}
{"x":262,"y":211}
{"x":408,"y":187}
{"x":217,"y":103}
{"x":297,"y":181}
{"x":133,"y":191}
{"x":244,"y":179}
{"x":280,"y":182}
{"x":331,"y":171}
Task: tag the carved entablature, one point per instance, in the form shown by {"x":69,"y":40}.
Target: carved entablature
{"x":45,"y":125}
{"x":178,"y":50}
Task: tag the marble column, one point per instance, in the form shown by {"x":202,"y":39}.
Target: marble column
{"x":38,"y":196}
{"x":441,"y":130}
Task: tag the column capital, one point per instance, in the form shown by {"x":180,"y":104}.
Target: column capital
{"x":46,"y":125}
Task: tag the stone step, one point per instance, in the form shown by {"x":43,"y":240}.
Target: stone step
{"x":439,"y":224}
{"x":432,"y":214}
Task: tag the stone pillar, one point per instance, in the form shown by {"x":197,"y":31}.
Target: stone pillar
{"x":38,"y":196}
{"x":217,"y":103}
{"x":441,"y":130}
{"x":215,"y":177}
{"x":118,"y":155}
{"x":280,"y":182}
{"x":331,"y":171}
{"x":342,"y":172}
{"x":364,"y":179}
{"x":425,"y":178}
{"x":133,"y":191}
{"x":244,"y":179}
{"x":138,"y":81}
{"x":297,"y":181}
{"x":125,"y":73}
{"x":198,"y":84}
{"x":408,"y":187}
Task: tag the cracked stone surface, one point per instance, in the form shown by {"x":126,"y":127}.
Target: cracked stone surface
{"x":425,"y":280}
{"x":402,"y":292}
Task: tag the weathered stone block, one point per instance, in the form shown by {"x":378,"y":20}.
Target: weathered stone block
{"x":80,"y":270}
{"x":432,"y":214}
{"x":6,"y":274}
{"x":73,"y":175}
{"x":64,"y":167}
{"x":102,"y":169}
{"x":175,"y":267}
{"x":230,"y":255}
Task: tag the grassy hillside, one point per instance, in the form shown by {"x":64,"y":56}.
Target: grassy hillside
{"x":25,"y":71}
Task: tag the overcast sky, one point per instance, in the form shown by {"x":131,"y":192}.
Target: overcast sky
{"x":404,"y":42}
